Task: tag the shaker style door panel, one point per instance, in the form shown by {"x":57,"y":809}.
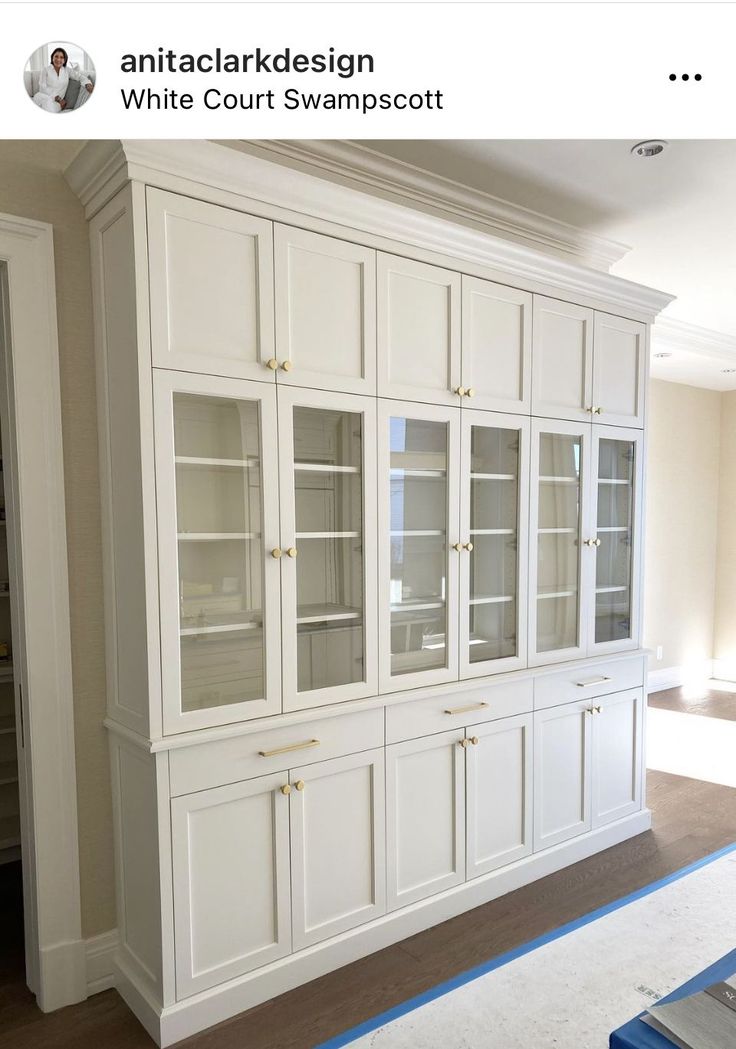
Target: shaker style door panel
{"x":561,"y":560}
{"x":619,"y":370}
{"x":425,"y":817}
{"x":231,"y":881}
{"x":420,"y":548}
{"x":494,"y":518}
{"x":325,"y":312}
{"x":338,"y":846}
{"x":328,"y":527}
{"x":211,"y":288}
{"x":562,"y":777}
{"x":617,"y":751}
{"x":499,"y":775}
{"x":617,"y":467}
{"x":218,"y":519}
{"x":562,"y":367}
{"x":497,"y":346}
{"x":418,"y":331}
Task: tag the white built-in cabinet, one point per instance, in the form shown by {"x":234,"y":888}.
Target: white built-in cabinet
{"x":378,"y":521}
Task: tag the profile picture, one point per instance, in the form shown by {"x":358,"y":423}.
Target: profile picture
{"x":59,"y":77}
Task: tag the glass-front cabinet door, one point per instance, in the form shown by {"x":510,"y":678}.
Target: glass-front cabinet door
{"x":218,"y":520}
{"x":328,"y":563}
{"x":559,"y":574}
{"x":419,"y":521}
{"x":493,"y":533}
{"x":616,"y":467}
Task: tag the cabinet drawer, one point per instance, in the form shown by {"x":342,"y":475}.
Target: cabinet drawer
{"x":441,"y":713}
{"x":598,"y":679}
{"x":243,"y":757}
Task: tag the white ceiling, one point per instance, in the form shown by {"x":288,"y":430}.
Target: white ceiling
{"x":677,"y":211}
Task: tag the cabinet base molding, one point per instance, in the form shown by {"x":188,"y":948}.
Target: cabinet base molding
{"x":173,"y":1023}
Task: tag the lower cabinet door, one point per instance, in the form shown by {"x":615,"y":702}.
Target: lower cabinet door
{"x":499,"y":771}
{"x":231,"y":881}
{"x":562,"y":752}
{"x":338,"y":845}
{"x":425,"y":817}
{"x":617,"y":743}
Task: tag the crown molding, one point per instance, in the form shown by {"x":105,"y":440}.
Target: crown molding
{"x":674,"y":335}
{"x":373,"y":172}
{"x":207,"y":169}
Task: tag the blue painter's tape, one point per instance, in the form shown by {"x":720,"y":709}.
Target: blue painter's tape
{"x":518,"y":952}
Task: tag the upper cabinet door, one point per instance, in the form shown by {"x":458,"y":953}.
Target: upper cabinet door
{"x":562,"y":369}
{"x":619,"y":370}
{"x":211,"y":288}
{"x":418,"y":331}
{"x":218,"y":520}
{"x":497,"y":346}
{"x":328,"y":513}
{"x":325,"y":312}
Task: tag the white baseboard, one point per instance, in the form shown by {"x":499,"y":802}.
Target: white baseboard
{"x":676,"y":677}
{"x":100,"y":961}
{"x":724,"y":669}
{"x":61,"y":976}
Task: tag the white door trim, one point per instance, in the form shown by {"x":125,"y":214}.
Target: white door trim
{"x":55,"y":960}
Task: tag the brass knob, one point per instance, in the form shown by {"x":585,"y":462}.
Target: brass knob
{"x":468,"y":547}
{"x":596,"y":542}
{"x":460,"y":391}
{"x":292,"y":551}
{"x":276,"y":552}
{"x":591,"y":409}
{"x":286,"y":366}
{"x":457,"y":546}
{"x":599,"y":710}
{"x":299,"y":784}
{"x":474,"y":740}
{"x":272,"y":364}
{"x":470,"y":392}
{"x":286,"y":789}
{"x":463,"y":743}
{"x":598,"y":411}
{"x":589,"y":542}
{"x":590,"y":710}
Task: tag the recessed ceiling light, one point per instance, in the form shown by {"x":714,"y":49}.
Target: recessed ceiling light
{"x":649,"y":149}
{"x":663,"y":354}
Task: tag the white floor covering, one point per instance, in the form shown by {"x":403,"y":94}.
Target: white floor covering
{"x":572,"y":992}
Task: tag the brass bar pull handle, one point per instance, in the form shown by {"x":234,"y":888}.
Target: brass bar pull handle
{"x":465,"y":710}
{"x":593,"y":681}
{"x":287,"y":750}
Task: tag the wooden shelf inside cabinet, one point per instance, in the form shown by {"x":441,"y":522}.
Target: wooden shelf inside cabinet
{"x":8,"y":772}
{"x":219,"y":628}
{"x":7,"y":724}
{"x":6,"y":672}
{"x":9,"y":831}
{"x":326,"y":614}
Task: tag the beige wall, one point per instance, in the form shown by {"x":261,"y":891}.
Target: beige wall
{"x":724,"y":648}
{"x":32,"y":186}
{"x":682,"y":524}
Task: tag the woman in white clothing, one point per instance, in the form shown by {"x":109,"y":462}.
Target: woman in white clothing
{"x":54,"y":81}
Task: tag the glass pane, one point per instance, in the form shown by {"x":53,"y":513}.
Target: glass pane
{"x":329,"y":524}
{"x":494,"y":510}
{"x":559,"y":541}
{"x":615,"y":522}
{"x":418,"y":494}
{"x":220,"y":555}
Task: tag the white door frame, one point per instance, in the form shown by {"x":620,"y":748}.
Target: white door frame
{"x":32,"y":449}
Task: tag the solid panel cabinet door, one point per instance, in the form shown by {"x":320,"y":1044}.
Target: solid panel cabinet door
{"x":617,"y":467}
{"x":497,"y":346}
{"x":425,"y":817}
{"x":499,"y":776}
{"x":419,"y":313}
{"x":619,"y":370}
{"x":211,"y":288}
{"x":328,"y":514}
{"x":494,"y":518}
{"x":562,"y":368}
{"x":338,"y":852}
{"x":231,"y":881}
{"x":218,"y":520}
{"x":562,"y":754}
{"x":617,"y":751}
{"x":325,"y":312}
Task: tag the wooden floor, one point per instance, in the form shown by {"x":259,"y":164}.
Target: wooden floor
{"x":691,"y":819}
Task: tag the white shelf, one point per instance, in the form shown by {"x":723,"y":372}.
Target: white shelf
{"x":8,"y":772}
{"x":416,"y":606}
{"x":611,"y":589}
{"x":493,"y":531}
{"x":474,"y":476}
{"x":326,"y":468}
{"x":557,"y":531}
{"x":328,"y":535}
{"x":9,"y":831}
{"x":236,"y":464}
{"x":212,"y":537}
{"x":614,"y":528}
{"x":326,"y":613}
{"x":399,"y":472}
{"x":418,"y":532}
{"x":504,"y":599}
{"x":219,"y":628}
{"x":556,"y":593}
{"x":614,"y":480}
{"x":559,"y":480}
